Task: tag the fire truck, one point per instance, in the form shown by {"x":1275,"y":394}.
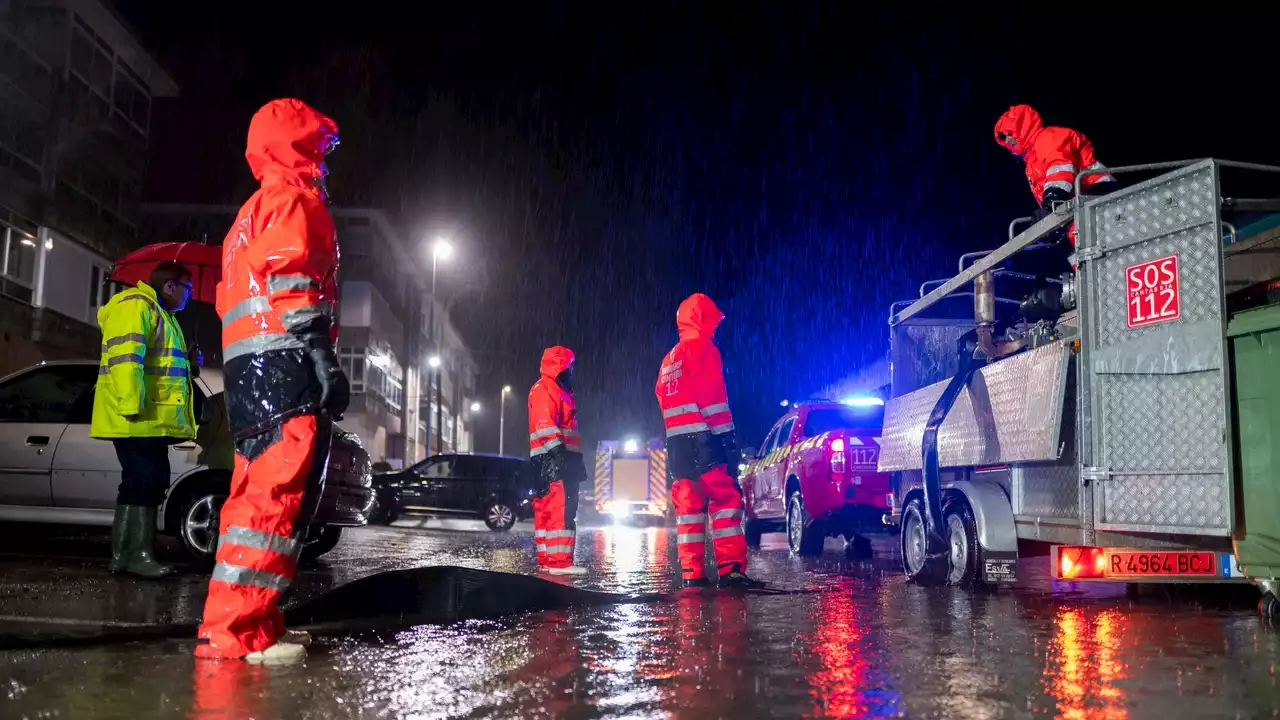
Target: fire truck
{"x":1127,"y":413}
{"x":631,"y":481}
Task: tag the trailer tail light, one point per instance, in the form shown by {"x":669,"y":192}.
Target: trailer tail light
{"x":1080,"y":563}
{"x":837,"y":456}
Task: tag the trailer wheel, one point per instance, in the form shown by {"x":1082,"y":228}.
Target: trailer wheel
{"x":963,"y":552}
{"x":1269,"y":607}
{"x":918,"y":567}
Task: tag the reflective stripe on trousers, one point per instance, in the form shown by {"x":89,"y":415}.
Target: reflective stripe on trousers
{"x":713,"y":498}
{"x":555,"y":525}
{"x":273,"y":495}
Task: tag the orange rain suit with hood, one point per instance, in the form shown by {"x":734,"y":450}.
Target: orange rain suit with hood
{"x":556,"y":452}
{"x":702,"y":450}
{"x":1053,"y":157}
{"x":277,"y":299}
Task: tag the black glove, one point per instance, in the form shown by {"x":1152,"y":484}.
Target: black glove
{"x":1053,"y":195}
{"x":335,"y":390}
{"x":729,"y":449}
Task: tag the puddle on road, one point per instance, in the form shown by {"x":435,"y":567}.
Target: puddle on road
{"x":867,"y":646}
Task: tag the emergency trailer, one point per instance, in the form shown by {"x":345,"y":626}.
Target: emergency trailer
{"x":631,"y":480}
{"x":1127,"y":413}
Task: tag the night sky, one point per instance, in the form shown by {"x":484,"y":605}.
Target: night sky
{"x":805,"y":164}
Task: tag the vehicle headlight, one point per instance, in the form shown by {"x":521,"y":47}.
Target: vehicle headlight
{"x":618,"y":508}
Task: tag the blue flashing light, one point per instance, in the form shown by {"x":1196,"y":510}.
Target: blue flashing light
{"x":862,"y":401}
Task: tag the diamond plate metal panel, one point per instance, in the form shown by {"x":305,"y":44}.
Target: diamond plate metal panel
{"x":1047,"y":490}
{"x":1158,"y":404}
{"x":1052,"y":490}
{"x":1011,"y":412}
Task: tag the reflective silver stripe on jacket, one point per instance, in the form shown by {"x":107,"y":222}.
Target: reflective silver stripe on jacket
{"x":687,"y":429}
{"x":710,"y":410}
{"x":246,"y":307}
{"x":679,"y":410}
{"x":260,"y":344}
{"x":1065,"y":167}
{"x":722,"y":428}
{"x":120,"y":339}
{"x":726,"y":515}
{"x":724,"y":532}
{"x":1060,"y":185}
{"x":297,"y":281}
{"x":685,"y":538}
{"x":698,"y":519}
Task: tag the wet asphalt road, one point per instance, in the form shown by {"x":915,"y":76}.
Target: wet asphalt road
{"x":865,"y":645}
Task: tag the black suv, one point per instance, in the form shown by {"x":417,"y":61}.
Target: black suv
{"x":493,"y":488}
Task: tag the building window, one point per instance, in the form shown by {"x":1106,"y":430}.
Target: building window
{"x":18,"y":272}
{"x":353,"y":361}
{"x":101,"y":290}
{"x":130,"y":100}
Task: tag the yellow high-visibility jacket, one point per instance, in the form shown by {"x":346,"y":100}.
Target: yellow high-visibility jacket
{"x":143,"y":370}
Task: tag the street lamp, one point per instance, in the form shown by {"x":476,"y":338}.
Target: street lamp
{"x":502,"y":416}
{"x":440,"y":250}
{"x":434,"y":362}
{"x":475,"y":407}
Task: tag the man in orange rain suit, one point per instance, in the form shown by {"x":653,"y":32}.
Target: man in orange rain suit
{"x":702,"y":451}
{"x":1053,"y":157}
{"x":556,"y":452}
{"x":277,"y":299}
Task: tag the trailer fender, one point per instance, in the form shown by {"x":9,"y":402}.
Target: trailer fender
{"x":992,"y":513}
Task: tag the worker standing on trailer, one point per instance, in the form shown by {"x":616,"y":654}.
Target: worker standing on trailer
{"x":1053,"y":157}
{"x":702,"y":450}
{"x":277,"y":299}
{"x":556,"y":452}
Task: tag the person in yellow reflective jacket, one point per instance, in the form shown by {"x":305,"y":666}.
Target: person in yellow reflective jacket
{"x":142,"y":404}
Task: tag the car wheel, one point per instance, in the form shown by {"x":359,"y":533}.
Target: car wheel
{"x":319,"y":541}
{"x":500,"y":516}
{"x":752,"y":529}
{"x":803,"y":534}
{"x":198,"y":524}
{"x":916,"y":563}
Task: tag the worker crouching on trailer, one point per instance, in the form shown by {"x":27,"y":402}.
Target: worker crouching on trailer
{"x":1054,"y":156}
{"x":556,"y":452}
{"x":277,"y":299}
{"x":702,"y":451}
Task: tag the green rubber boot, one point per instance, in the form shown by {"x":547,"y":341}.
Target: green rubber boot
{"x":119,"y":541}
{"x":140,"y":531}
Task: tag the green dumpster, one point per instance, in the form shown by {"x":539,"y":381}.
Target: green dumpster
{"x":1254,"y":337}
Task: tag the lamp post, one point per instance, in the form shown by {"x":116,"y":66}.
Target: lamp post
{"x":502,"y":416}
{"x":440,"y":250}
{"x":434,"y":363}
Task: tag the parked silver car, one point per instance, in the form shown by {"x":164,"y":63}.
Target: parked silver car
{"x":51,"y":471}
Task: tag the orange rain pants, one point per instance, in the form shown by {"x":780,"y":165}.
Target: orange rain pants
{"x":718,"y":494}
{"x":555,"y":525}
{"x":276,"y":488}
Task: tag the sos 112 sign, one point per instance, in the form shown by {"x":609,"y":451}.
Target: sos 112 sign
{"x":1153,"y":292}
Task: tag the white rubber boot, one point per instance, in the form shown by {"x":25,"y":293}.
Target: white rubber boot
{"x":281,"y":653}
{"x":571,"y":570}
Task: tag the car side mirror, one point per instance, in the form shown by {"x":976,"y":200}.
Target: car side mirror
{"x":749,"y":453}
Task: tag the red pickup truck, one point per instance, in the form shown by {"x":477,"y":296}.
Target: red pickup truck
{"x":815,"y":475}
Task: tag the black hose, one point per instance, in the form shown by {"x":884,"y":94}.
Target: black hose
{"x":388,"y":600}
{"x":971,"y":360}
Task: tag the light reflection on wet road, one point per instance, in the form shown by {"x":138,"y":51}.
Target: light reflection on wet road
{"x":867,"y":645}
